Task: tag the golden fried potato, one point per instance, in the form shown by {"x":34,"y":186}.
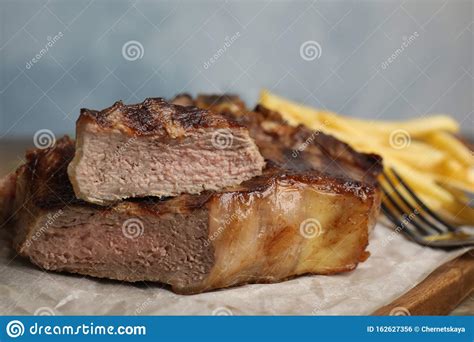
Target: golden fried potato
{"x":424,"y":151}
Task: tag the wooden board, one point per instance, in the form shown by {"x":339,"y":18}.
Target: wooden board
{"x":440,"y":292}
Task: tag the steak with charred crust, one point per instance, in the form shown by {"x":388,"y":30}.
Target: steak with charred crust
{"x":310,"y":212}
{"x":158,"y":149}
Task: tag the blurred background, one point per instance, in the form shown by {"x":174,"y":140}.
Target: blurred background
{"x":369,"y":59}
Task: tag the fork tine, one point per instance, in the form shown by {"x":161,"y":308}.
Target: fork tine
{"x":436,"y":244}
{"x":421,"y":204}
{"x":393,"y":218}
{"x":450,"y":244}
{"x":400,"y":212}
{"x":411,"y":207}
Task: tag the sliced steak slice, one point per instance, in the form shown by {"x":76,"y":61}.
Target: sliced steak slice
{"x":158,"y":149}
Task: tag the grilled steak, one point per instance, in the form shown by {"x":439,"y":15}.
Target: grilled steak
{"x":7,"y":196}
{"x":310,"y":212}
{"x":158,"y":149}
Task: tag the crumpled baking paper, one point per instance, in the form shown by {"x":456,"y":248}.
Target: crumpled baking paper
{"x":394,"y":267}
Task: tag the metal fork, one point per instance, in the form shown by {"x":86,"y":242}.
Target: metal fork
{"x":413,"y":218}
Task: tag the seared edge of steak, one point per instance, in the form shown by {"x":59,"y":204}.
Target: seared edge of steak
{"x":174,"y":150}
{"x":154,"y":116}
{"x":254,"y":232}
{"x":338,"y":151}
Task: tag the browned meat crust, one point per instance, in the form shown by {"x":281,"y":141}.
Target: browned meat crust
{"x":298,"y":148}
{"x":158,"y":149}
{"x":253,"y":232}
{"x":154,"y":116}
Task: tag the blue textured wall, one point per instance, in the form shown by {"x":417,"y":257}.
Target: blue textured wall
{"x":389,"y":59}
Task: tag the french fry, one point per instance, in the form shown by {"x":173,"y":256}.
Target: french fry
{"x":456,"y":149}
{"x":418,"y":155}
{"x":294,"y":112}
{"x":452,"y":170}
{"x":428,"y":156}
{"x":414,"y":127}
{"x":421,"y":182}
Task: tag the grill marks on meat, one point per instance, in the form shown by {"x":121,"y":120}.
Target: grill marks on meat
{"x":154,"y":116}
{"x":158,"y":149}
{"x":301,"y":216}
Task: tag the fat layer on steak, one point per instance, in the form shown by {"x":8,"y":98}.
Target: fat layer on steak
{"x":158,"y":149}
{"x":310,"y":212}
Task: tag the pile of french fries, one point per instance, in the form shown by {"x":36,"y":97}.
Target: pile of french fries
{"x":424,"y":151}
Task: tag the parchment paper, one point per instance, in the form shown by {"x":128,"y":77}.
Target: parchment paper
{"x":395,"y":266}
